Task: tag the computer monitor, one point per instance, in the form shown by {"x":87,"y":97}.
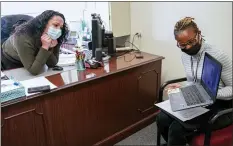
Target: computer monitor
{"x":97,"y":33}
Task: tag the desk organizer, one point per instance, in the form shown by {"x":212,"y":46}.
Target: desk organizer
{"x":80,"y":65}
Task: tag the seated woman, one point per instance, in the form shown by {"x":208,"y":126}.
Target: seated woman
{"x":193,"y":46}
{"x":35,"y":43}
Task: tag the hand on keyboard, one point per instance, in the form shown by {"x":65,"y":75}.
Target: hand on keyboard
{"x":172,"y":86}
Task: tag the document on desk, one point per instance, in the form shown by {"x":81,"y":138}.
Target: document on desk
{"x":183,"y":115}
{"x":35,"y":82}
{"x":2,"y":74}
{"x":21,"y":74}
{"x":8,"y":85}
{"x":66,"y":60}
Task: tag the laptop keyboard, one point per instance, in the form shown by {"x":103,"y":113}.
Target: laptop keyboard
{"x":191,"y":95}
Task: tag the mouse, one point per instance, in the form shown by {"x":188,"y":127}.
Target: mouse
{"x":57,"y":68}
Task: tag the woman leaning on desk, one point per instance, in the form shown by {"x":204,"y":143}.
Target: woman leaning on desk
{"x":35,"y":43}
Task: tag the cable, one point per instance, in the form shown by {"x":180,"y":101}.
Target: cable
{"x":126,"y":52}
{"x":134,"y":37}
{"x":133,"y":45}
{"x":131,"y":59}
{"x":137,"y":49}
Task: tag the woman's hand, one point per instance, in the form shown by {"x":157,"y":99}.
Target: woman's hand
{"x":46,"y":41}
{"x":54,"y":43}
{"x":172,"y":86}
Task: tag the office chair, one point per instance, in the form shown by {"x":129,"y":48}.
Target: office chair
{"x":9,"y":22}
{"x":221,"y":137}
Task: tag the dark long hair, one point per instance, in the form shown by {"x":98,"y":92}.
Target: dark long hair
{"x":36,"y":26}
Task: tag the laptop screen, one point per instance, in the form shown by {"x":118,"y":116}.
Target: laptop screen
{"x":211,"y":74}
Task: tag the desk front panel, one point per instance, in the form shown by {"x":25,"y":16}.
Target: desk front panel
{"x":86,"y":113}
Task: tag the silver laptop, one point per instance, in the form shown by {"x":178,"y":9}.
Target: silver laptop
{"x":199,"y":94}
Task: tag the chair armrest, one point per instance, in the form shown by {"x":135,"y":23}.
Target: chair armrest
{"x":219,"y":114}
{"x":211,"y":121}
{"x":162,"y":87}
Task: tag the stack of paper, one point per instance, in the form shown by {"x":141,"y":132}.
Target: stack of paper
{"x":66,"y":51}
{"x":2,"y":74}
{"x":183,"y":115}
{"x":66,"y":60}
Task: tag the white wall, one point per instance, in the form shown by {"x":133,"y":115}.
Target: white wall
{"x":120,"y":18}
{"x":156,"y":20}
{"x":73,"y":11}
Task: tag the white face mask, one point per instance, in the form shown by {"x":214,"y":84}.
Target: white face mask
{"x":54,"y":33}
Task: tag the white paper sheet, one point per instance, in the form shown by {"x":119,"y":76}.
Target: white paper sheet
{"x":7,"y":85}
{"x":40,"y":81}
{"x":66,"y":60}
{"x":2,"y":74}
{"x":183,"y":115}
{"x":21,"y":74}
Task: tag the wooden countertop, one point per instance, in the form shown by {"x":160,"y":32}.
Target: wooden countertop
{"x":74,"y":77}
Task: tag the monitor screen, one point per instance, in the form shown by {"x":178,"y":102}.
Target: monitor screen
{"x":96,"y":35}
{"x":211,"y":75}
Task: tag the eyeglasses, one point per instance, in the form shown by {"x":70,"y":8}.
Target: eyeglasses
{"x":190,"y":42}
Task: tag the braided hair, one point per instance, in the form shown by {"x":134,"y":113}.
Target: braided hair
{"x":185,"y":23}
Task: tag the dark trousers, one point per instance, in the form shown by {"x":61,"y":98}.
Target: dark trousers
{"x":178,"y":133}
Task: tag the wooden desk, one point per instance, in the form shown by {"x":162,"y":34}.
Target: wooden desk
{"x":100,"y":110}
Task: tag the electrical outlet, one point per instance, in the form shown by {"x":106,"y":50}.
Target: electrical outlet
{"x":139,"y":35}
